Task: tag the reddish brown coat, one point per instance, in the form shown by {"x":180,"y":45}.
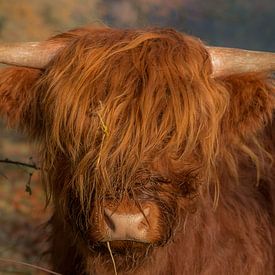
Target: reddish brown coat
{"x":115,"y":110}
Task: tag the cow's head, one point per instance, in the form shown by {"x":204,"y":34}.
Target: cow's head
{"x":132,"y":126}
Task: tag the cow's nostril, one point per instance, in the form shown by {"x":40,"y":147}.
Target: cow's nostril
{"x":109,"y":222}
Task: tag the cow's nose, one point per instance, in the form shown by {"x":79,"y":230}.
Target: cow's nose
{"x":127,"y":226}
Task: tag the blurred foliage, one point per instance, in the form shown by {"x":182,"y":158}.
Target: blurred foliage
{"x":23,"y":20}
{"x":232,"y":23}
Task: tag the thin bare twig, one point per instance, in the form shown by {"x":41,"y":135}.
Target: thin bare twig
{"x":29,"y":165}
{"x":29,"y":265}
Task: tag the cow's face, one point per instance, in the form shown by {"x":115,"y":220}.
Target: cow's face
{"x":127,"y":137}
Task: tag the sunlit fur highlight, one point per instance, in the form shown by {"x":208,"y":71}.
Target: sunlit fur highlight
{"x":116,"y":106}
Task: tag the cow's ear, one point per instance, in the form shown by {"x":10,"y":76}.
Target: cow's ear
{"x":16,"y":95}
{"x":252,"y":102}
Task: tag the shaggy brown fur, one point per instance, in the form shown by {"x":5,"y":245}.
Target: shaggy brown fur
{"x":135,"y":114}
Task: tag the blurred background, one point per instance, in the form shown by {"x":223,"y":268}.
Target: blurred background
{"x":238,"y":23}
{"x":233,"y":23}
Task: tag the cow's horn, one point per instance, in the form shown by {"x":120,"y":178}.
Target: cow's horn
{"x":226,"y":61}
{"x":229,"y":61}
{"x":28,"y":54}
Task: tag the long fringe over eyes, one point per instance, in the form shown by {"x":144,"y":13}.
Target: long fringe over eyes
{"x":115,"y":101}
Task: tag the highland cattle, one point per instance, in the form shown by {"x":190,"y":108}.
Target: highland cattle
{"x":156,"y":150}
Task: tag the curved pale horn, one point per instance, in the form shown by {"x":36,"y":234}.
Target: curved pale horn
{"x":28,"y":54}
{"x":229,"y":61}
{"x":225,"y":61}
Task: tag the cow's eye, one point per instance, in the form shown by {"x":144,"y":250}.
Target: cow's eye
{"x":159,"y":180}
{"x":189,"y":186}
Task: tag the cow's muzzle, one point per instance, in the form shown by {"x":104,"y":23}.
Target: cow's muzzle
{"x":130,"y":222}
